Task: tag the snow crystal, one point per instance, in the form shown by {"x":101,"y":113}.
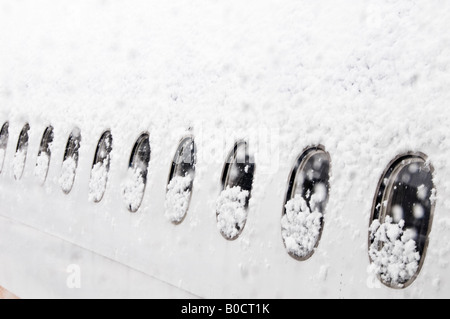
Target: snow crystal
{"x":300,"y":227}
{"x":397,"y":213}
{"x":393,"y":253}
{"x":97,"y":183}
{"x":133,"y":189}
{"x":422,"y":192}
{"x":68,"y":171}
{"x":231,"y":212}
{"x":319,"y":195}
{"x":413,"y":168}
{"x":19,"y":163}
{"x":42,"y":164}
{"x":406,"y":178}
{"x":418,"y":211}
{"x":177,"y":198}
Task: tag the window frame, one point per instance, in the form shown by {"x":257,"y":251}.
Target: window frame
{"x":47,"y":138}
{"x":134,"y":153}
{"x":105,"y":135}
{"x":75,"y":135}
{"x":382,"y":194}
{"x":299,"y":166}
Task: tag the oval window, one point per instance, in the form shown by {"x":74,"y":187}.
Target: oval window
{"x":4,"y":135}
{"x":100,"y":168}
{"x":21,"y":152}
{"x":237,"y":181}
{"x":70,"y":161}
{"x":44,"y":155}
{"x":305,"y":203}
{"x":134,"y":187}
{"x":181,"y":180}
{"x":401,"y":220}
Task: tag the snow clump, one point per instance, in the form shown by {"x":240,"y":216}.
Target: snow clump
{"x":231,"y":211}
{"x":97,"y":183}
{"x":134,"y":188}
{"x":41,"y":169}
{"x":177,"y":198}
{"x":393,"y":253}
{"x":68,"y":171}
{"x":300,"y":227}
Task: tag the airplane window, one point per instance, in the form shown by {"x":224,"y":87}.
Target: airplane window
{"x":401,"y":220}
{"x":4,"y":135}
{"x":305,"y":203}
{"x":134,"y":187}
{"x":100,"y":168}
{"x":181,"y":180}
{"x":237,"y":181}
{"x":21,"y":152}
{"x":44,"y":155}
{"x":70,"y":161}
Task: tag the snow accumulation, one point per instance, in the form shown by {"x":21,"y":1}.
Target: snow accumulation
{"x":231,"y":212}
{"x":42,"y":166}
{"x":98,"y":181}
{"x":300,"y":227}
{"x":393,"y":252}
{"x":133,"y":188}
{"x":177,"y":198}
{"x":19,"y":162}
{"x":68,"y":171}
{"x":319,"y":195}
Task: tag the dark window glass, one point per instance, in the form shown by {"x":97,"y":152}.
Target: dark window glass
{"x":100,"y":168}
{"x":181,"y":180}
{"x":404,"y":202}
{"x":4,"y":135}
{"x":137,"y":173}
{"x":21,"y":152}
{"x":305,"y":202}
{"x":44,"y":155}
{"x":70,"y":161}
{"x":237,"y":182}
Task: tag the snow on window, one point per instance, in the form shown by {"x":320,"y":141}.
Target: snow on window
{"x":100,"y":168}
{"x":393,"y":252}
{"x":231,"y":211}
{"x":42,"y":165}
{"x":68,"y":173}
{"x":98,"y":181}
{"x":21,"y":153}
{"x":4,"y":134}
{"x":177,"y":198}
{"x":398,"y":234}
{"x":237,"y":180}
{"x":134,"y":188}
{"x":70,"y":162}
{"x":136,"y":181}
{"x":300,"y":227}
{"x":180,"y":183}
{"x":306,"y":199}
{"x":44,"y":155}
